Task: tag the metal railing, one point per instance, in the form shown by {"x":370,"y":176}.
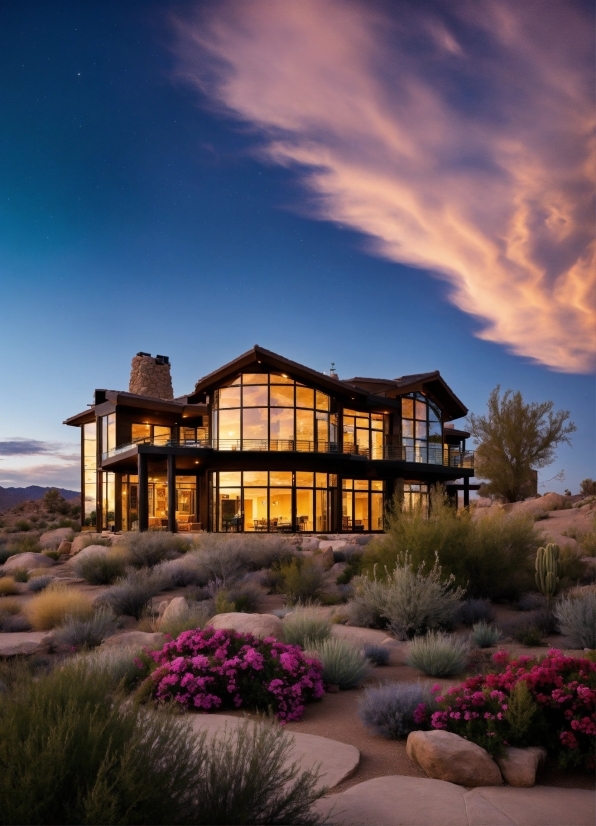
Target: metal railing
{"x":428,"y":454}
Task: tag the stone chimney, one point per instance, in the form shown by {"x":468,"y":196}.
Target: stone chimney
{"x":151,"y":376}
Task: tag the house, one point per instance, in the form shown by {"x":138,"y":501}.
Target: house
{"x":266,"y":444}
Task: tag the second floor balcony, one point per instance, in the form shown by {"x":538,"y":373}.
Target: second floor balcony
{"x":425,"y":453}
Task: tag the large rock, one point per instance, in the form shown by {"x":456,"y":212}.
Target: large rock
{"x":23,"y":642}
{"x":64,"y":547}
{"x":447,"y":756}
{"x":519,"y":766}
{"x":174,"y":610}
{"x":81,"y":539}
{"x":50,"y":540}
{"x":259,"y":625}
{"x":142,"y":639}
{"x":28,"y":561}
{"x":90,"y":550}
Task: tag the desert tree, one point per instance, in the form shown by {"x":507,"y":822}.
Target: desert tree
{"x":515,"y":438}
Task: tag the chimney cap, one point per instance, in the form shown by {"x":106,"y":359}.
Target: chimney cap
{"x":143,"y":354}
{"x":162,"y":359}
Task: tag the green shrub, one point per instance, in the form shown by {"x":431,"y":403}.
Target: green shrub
{"x":245,"y":596}
{"x":19,"y":574}
{"x":131,"y":594}
{"x":304,"y":625}
{"x":391,"y":710}
{"x":367,"y":608}
{"x":438,"y":655}
{"x":230,"y":556}
{"x":54,"y":605}
{"x":86,"y":633}
{"x":195,"y":616}
{"x":6,"y":551}
{"x":577,"y":619}
{"x":527,"y":632}
{"x":302,"y":579}
{"x":344,"y":665}
{"x":23,"y":525}
{"x":100,"y":568}
{"x":353,"y":568}
{"x":122,"y":665}
{"x":492,"y":557}
{"x":152,"y":547}
{"x":8,"y":586}
{"x":222,"y":604}
{"x":484,"y":635}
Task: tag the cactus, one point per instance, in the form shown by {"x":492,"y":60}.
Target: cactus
{"x":547,"y":569}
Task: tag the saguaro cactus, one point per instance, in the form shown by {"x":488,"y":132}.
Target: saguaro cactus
{"x":547,"y":569}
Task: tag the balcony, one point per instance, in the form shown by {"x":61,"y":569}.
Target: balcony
{"x":429,"y":455}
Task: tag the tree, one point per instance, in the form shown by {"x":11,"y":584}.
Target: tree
{"x":53,"y":500}
{"x":587,"y":487}
{"x":515,"y":439}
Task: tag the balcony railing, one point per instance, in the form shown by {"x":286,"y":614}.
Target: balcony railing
{"x":429,"y":455}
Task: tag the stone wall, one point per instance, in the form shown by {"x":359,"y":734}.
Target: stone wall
{"x":151,"y":377}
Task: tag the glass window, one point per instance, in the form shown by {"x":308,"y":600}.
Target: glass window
{"x":322,"y":400}
{"x":305,"y":480}
{"x":421,"y":430}
{"x":254,"y":396}
{"x":227,"y":478}
{"x":90,"y":474}
{"x":376,"y":485}
{"x":407,"y":408}
{"x":347,"y":484}
{"x":108,"y":432}
{"x":280,"y":509}
{"x":282,"y":396}
{"x":281,"y":378}
{"x":141,"y":432}
{"x":254,"y":378}
{"x":280,"y":477}
{"x":361,"y":484}
{"x":304,"y":510}
{"x":229,"y":397}
{"x":282,"y":428}
{"x":305,"y":397}
{"x":255,"y":509}
{"x":305,"y":431}
{"x":255,"y":477}
{"x":188,"y":434}
{"x":230,"y":510}
{"x":161,"y":435}
{"x":254,"y":426}
{"x":376,"y":512}
{"x":229,"y":429}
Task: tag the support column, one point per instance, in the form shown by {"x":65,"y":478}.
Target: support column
{"x":466,"y":492}
{"x":143,"y":492}
{"x":171,"y":493}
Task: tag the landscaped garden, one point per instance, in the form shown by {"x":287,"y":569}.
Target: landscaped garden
{"x":467,"y":624}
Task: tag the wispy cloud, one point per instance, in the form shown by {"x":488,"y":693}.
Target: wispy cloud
{"x":65,"y":475}
{"x":457,"y":136}
{"x":18,"y":446}
{"x":36,"y":462}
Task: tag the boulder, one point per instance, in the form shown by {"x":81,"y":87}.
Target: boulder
{"x":64,"y":547}
{"x":309,"y":544}
{"x":28,"y":560}
{"x":50,"y":540}
{"x":325,"y":558}
{"x":447,"y":756}
{"x":259,"y":625}
{"x":80,"y":540}
{"x":90,"y":550}
{"x":23,"y":642}
{"x":142,"y":639}
{"x":519,"y":766}
{"x":332,"y":544}
{"x":174,"y":610}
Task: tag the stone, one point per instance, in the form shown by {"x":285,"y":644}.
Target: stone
{"x":81,"y":539}
{"x":64,"y":547}
{"x":332,"y":544}
{"x":90,"y":550}
{"x":337,"y":761}
{"x":519,"y":766}
{"x":150,"y":377}
{"x":142,"y":639}
{"x":309,"y":544}
{"x":415,"y":801}
{"x":23,"y":642}
{"x":29,"y":561}
{"x":325,"y":558}
{"x":443,"y":755}
{"x":50,"y":540}
{"x":173,"y":610}
{"x":259,"y":625}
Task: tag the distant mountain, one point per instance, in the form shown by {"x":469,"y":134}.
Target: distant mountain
{"x":9,"y":497}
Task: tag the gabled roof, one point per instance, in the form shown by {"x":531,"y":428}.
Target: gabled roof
{"x":258,"y":356}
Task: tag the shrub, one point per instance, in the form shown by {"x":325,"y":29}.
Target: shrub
{"x":94,"y":539}
{"x":304,"y":625}
{"x":19,"y":574}
{"x":9,"y":607}
{"x":6,"y":551}
{"x":54,"y":605}
{"x":86,"y":633}
{"x":100,"y":568}
{"x":218,"y":669}
{"x":95,"y":761}
{"x":343,"y":665}
{"x":530,"y":602}
{"x":149,"y":548}
{"x":131,"y":594}
{"x":14,"y":624}
{"x":396,"y":709}
{"x":8,"y":586}
{"x":353,"y":568}
{"x":302,"y":579}
{"x":484,"y":635}
{"x":377,"y":654}
{"x":492,"y":557}
{"x":51,"y":554}
{"x":587,"y":487}
{"x":23,"y":525}
{"x":245,"y":597}
{"x":123,"y":666}
{"x":368,"y":605}
{"x":39,"y":583}
{"x":438,"y":655}
{"x":178,"y":573}
{"x":553,"y":708}
{"x":27,"y":544}
{"x":193,"y":617}
{"x":230,"y":556}
{"x":475,"y":610}
{"x":577,"y":619}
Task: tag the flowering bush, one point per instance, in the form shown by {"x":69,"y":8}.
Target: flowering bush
{"x":549,"y":702}
{"x":212,"y":670}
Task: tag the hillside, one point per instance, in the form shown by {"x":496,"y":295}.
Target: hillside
{"x":9,"y":497}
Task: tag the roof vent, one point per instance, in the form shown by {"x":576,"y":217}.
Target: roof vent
{"x":162,"y":360}
{"x":332,"y":371}
{"x":144,"y":354}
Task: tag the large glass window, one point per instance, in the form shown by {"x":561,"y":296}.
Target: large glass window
{"x":90,"y":474}
{"x":363,"y":433}
{"x":282,"y":501}
{"x":108,"y":432}
{"x":362,"y":505}
{"x":271,"y":411}
{"x":151,"y":433}
{"x":415,"y":497}
{"x":108,"y":499}
{"x":421,"y":430}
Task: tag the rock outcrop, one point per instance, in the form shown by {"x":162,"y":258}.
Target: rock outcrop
{"x":28,"y":561}
{"x":259,"y":625}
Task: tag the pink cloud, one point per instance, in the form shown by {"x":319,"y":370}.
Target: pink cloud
{"x":459,"y":141}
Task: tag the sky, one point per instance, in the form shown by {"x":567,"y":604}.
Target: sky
{"x":392,"y":187}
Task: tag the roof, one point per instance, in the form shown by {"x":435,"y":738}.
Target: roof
{"x":124,"y":398}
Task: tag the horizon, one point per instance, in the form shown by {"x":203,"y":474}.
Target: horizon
{"x":392,"y":190}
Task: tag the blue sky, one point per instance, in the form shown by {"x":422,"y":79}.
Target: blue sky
{"x":333,"y":181}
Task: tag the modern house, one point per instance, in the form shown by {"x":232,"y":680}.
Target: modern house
{"x":266,"y":444}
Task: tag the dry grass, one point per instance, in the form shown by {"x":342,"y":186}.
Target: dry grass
{"x":54,"y":605}
{"x":9,"y":607}
{"x":8,"y":586}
